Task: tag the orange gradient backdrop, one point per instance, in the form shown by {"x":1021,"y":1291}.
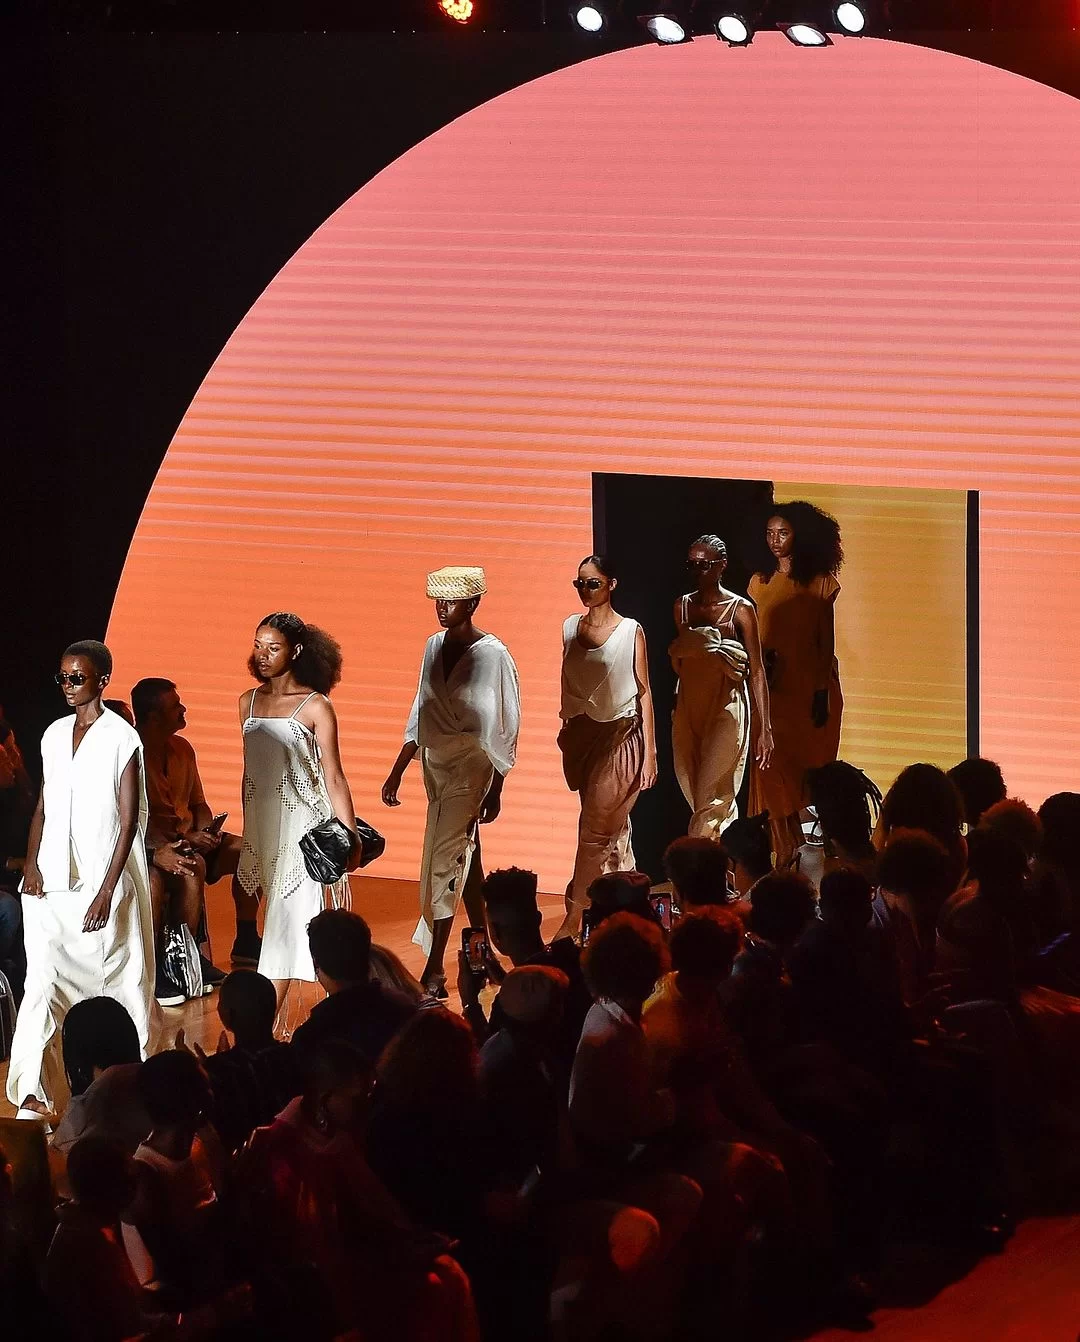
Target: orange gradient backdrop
{"x":855,"y":266}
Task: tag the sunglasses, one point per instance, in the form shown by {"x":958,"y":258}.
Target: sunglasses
{"x":72,"y":678}
{"x":588,"y":584}
{"x":695,"y":564}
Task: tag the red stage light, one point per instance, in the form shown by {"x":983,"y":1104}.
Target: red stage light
{"x":461,"y":11}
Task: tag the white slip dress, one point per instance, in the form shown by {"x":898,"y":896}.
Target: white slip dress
{"x":284,"y":796}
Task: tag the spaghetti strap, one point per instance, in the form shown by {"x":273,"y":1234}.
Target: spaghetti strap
{"x":684,"y":610}
{"x":300,"y":705}
{"x":251,"y":702}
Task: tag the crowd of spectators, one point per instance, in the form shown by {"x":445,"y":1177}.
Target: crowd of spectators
{"x":706,"y":1118}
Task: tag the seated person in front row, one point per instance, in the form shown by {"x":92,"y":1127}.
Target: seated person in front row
{"x":185,"y":854}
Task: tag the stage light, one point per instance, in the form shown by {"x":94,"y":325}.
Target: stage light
{"x":850,"y":18}
{"x":666,"y":28}
{"x":806,"y":35}
{"x":734,"y":30}
{"x":589,"y":18}
{"x":461,"y":11}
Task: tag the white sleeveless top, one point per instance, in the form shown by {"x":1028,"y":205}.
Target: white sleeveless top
{"x":284,"y":797}
{"x":599,"y":682}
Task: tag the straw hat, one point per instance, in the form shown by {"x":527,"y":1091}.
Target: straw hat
{"x":456,"y":583}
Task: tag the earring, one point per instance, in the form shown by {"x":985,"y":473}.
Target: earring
{"x":322,"y":1120}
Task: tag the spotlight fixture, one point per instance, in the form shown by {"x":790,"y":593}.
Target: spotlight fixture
{"x":734,"y":29}
{"x":589,"y":18}
{"x":667,"y":29}
{"x":461,"y":11}
{"x":806,"y":35}
{"x":850,"y":18}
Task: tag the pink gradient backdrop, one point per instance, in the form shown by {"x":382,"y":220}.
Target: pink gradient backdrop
{"x":855,"y":266}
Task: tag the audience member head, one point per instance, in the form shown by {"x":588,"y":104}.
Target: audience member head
{"x":97,"y":1034}
{"x":1014,"y":819}
{"x":781,"y":905}
{"x":102,"y":1178}
{"x":620,"y":892}
{"x":121,"y":710}
{"x":980,"y":784}
{"x":340,"y":944}
{"x":624,"y":960}
{"x":514,"y":916}
{"x":748,"y":842}
{"x":157,"y":707}
{"x":998,"y":865}
{"x":915,"y":866}
{"x":1059,"y":816}
{"x":698,"y":871}
{"x":247,"y":1004}
{"x":923,"y":797}
{"x":430,"y":1063}
{"x":388,"y":971}
{"x":283,"y":642}
{"x":337,"y":1083}
{"x":845,"y":901}
{"x":847,"y":804}
{"x":532,"y":999}
{"x":704,"y":946}
{"x":175,"y":1091}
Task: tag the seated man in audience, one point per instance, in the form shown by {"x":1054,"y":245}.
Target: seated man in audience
{"x":843,"y":798}
{"x":514,"y":921}
{"x":844,"y":990}
{"x":914,"y":879}
{"x":102,"y":1060}
{"x":356,"y":1008}
{"x":257,"y":1076}
{"x":980,"y":784}
{"x":172,"y":1226}
{"x":700,"y":872}
{"x":521,"y":1071}
{"x":182,"y":848}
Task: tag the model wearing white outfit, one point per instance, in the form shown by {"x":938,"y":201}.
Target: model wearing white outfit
{"x":602,"y":745}
{"x":65,"y":965}
{"x":284,"y":796}
{"x":466,"y":728}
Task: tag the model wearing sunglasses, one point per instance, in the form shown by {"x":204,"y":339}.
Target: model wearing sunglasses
{"x":608,"y":739}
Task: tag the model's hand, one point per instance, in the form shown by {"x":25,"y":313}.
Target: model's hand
{"x":175,"y":859}
{"x":202,"y":840}
{"x":97,"y":915}
{"x":648,"y":773}
{"x":356,"y":854}
{"x":819,"y":708}
{"x":763,"y":751}
{"x":32,"y":880}
{"x":490,"y":807}
{"x":390,"y":790}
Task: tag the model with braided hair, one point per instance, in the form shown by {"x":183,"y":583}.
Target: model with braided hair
{"x":717,"y":657}
{"x":293,"y":781}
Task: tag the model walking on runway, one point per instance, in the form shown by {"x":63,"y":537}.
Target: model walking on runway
{"x":293,"y":781}
{"x":608,"y":739}
{"x":795,"y":591}
{"x":86,"y":887}
{"x":716,"y":655}
{"x":464,"y":725}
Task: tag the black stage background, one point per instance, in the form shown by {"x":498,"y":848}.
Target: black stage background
{"x":156,"y":185}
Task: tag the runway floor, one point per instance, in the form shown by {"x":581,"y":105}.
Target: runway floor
{"x":1031,"y":1293}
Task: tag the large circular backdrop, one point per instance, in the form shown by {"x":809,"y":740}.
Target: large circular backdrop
{"x":849,"y":267}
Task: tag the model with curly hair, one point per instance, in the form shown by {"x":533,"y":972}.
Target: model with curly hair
{"x":293,"y":780}
{"x":795,"y":590}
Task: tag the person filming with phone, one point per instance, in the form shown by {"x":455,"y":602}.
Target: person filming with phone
{"x":186,"y":848}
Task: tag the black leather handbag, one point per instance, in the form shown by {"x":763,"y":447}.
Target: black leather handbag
{"x":327,"y":848}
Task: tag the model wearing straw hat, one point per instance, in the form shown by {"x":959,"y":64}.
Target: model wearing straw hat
{"x":464,"y":725}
